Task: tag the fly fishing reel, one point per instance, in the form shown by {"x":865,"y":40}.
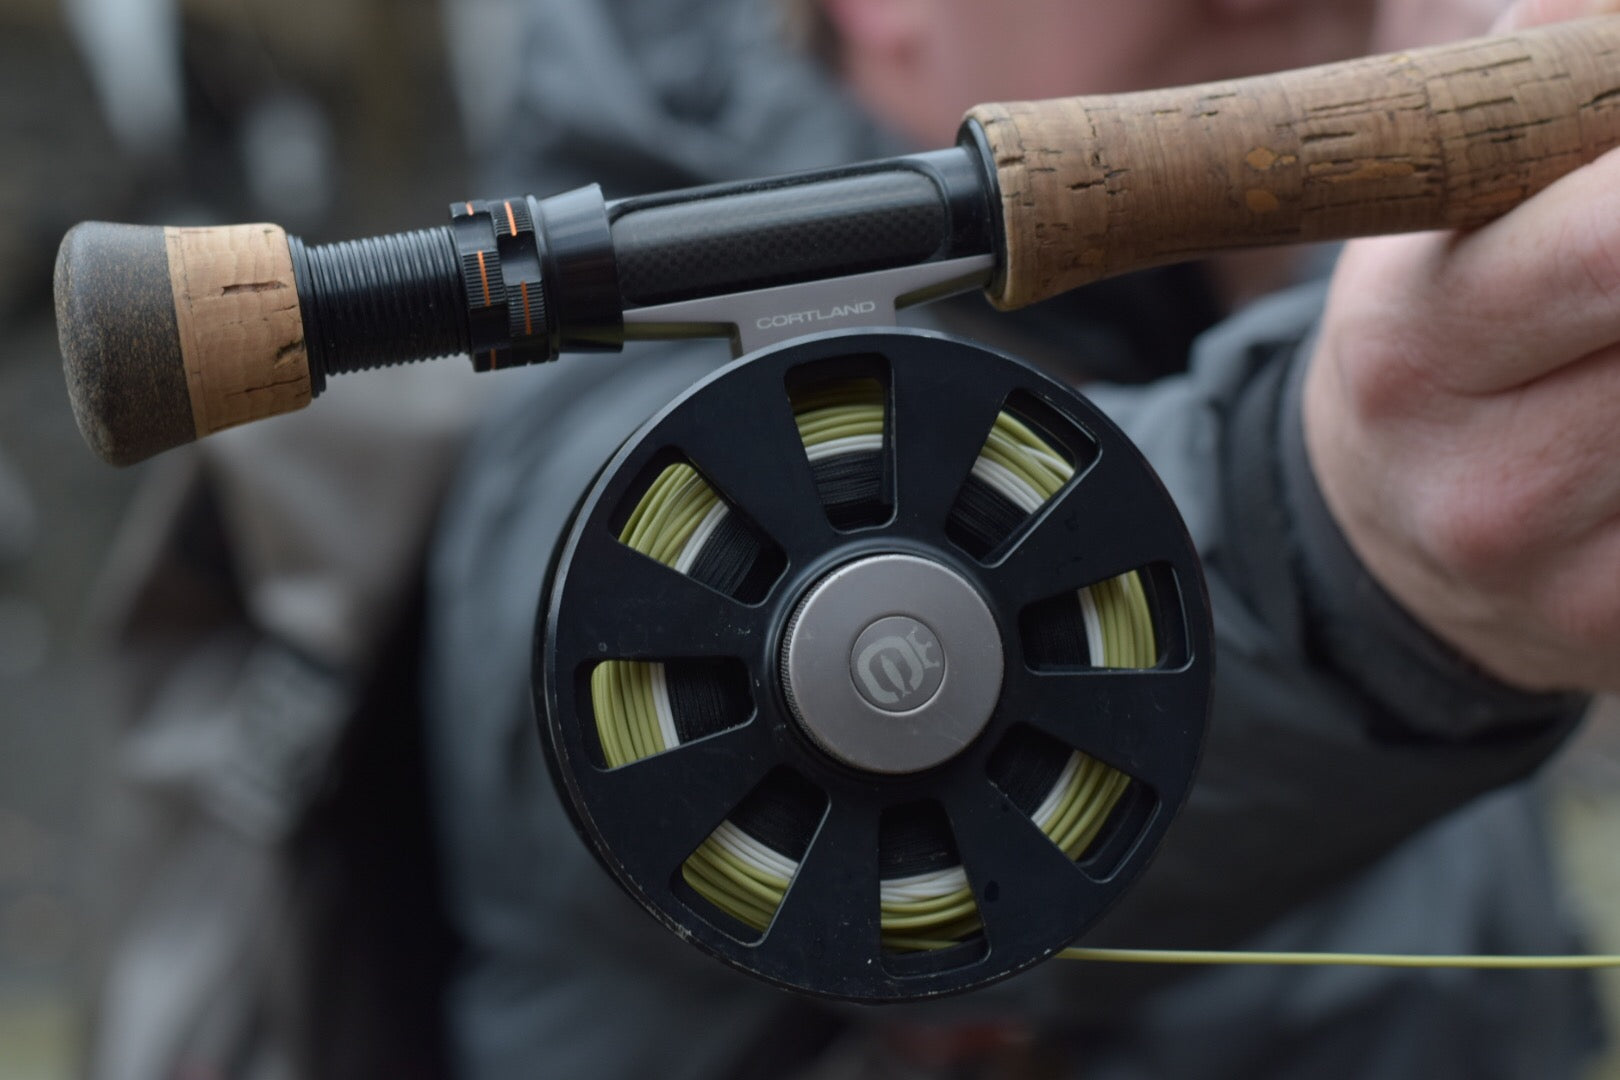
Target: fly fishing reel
{"x":876,"y":665}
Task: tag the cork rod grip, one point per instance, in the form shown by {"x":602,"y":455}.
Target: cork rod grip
{"x":1445,"y":137}
{"x":170,"y":334}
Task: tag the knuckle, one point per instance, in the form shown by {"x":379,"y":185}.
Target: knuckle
{"x":1382,"y":375}
{"x":1588,"y":254}
{"x":1481,"y":532}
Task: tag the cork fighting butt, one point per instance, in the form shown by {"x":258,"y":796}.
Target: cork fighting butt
{"x":170,"y":334}
{"x":1439,"y":138}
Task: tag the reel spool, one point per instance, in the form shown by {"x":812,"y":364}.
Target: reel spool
{"x":876,"y":665}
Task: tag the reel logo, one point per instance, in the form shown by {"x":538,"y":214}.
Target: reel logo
{"x":897,"y":664}
{"x":835,"y":313}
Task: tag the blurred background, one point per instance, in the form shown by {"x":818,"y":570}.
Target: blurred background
{"x":335,"y":119}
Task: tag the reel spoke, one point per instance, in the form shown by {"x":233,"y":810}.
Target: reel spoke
{"x":1139,"y":722}
{"x":1097,"y":528}
{"x":1025,"y":888}
{"x":634,"y":607}
{"x":771,"y":483}
{"x":678,"y":797}
{"x":939,"y":426}
{"x":831,"y":907}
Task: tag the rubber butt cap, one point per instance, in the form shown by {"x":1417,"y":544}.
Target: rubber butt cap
{"x":120,"y":343}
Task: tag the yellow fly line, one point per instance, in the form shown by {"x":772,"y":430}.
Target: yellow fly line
{"x":1341,"y":959}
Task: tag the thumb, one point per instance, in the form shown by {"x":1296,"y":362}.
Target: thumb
{"x":1527,"y":13}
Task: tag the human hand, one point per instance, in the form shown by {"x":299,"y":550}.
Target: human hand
{"x":1462,"y":416}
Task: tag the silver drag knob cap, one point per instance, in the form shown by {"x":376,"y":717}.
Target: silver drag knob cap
{"x":893,"y":663}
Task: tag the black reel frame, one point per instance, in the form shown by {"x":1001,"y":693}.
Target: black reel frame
{"x":606,"y":601}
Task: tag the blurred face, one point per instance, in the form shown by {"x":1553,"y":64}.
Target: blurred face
{"x":1051,"y":48}
{"x":922,"y":63}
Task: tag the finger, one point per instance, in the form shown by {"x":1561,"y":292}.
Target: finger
{"x":1564,"y":477}
{"x":1538,"y":479}
{"x":1534,"y":290}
